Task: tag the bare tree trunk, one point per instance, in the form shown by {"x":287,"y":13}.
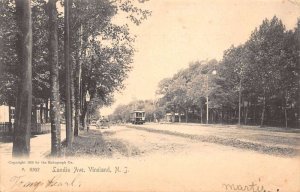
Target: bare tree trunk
{"x":54,"y":76}
{"x":68,"y":78}
{"x":254,"y":114}
{"x":173,"y":117}
{"x":186,"y":115}
{"x":179,"y":116}
{"x":83,"y":115}
{"x":285,"y":110}
{"x":41,"y":113}
{"x":9,"y":119}
{"x":222,"y":115}
{"x":285,"y":116}
{"x":72,"y":97}
{"x":78,"y":87}
{"x":34,"y":115}
{"x":46,"y":112}
{"x":21,"y":141}
{"x":263,"y":110}
{"x":72,"y":77}
{"x":240,"y":98}
{"x":201,"y":114}
{"x":84,"y":106}
{"x":246,"y":114}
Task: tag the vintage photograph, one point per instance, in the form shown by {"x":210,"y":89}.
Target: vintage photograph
{"x":150,"y":95}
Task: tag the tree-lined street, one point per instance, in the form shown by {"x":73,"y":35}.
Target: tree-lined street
{"x":61,"y":52}
{"x":224,"y":116}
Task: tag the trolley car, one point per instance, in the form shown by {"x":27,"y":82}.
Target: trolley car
{"x":137,"y":117}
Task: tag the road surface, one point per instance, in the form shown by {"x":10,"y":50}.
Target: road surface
{"x":173,"y":157}
{"x":193,"y":157}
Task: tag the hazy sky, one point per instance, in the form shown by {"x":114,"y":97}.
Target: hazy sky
{"x":182,"y":31}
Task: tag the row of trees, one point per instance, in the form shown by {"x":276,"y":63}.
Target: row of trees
{"x":47,"y":54}
{"x":255,"y":83}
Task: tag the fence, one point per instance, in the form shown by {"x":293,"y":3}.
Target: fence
{"x":40,"y":128}
{"x":5,"y":127}
{"x":36,"y":128}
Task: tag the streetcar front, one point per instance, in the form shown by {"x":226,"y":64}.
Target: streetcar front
{"x":137,"y":117}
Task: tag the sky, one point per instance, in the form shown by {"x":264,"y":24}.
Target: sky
{"x":182,"y":31}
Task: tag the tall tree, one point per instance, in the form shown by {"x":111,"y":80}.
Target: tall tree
{"x":69,"y":136}
{"x":266,"y":53}
{"x":54,"y":94}
{"x":21,"y":142}
{"x":77,"y":87}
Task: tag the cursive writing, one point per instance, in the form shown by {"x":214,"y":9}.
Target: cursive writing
{"x":55,"y":181}
{"x":253,"y":187}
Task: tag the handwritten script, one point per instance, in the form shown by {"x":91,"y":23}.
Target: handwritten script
{"x":253,"y":187}
{"x":57,"y":181}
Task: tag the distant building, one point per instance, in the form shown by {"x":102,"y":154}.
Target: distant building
{"x":7,"y":118}
{"x":39,"y":119}
{"x":6,"y":114}
{"x":169,"y":117}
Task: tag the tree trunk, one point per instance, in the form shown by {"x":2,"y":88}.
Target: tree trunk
{"x":54,"y":78}
{"x":21,"y":141}
{"x":46,"y":112}
{"x":9,"y":119}
{"x":41,"y":113}
{"x":201,"y":114}
{"x":173,"y":117}
{"x":246,"y":114}
{"x":68,"y":78}
{"x":254,"y":114}
{"x":227,"y":116}
{"x":285,"y":110}
{"x":263,"y":110}
{"x":82,"y":117}
{"x":285,"y":116}
{"x":78,"y":87}
{"x":72,"y":77}
{"x":83,"y":114}
{"x":72,"y":95}
{"x":34,"y":115}
{"x":186,"y":115}
{"x":240,"y":98}
{"x":222,"y":116}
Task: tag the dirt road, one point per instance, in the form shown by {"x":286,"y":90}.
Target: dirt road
{"x":173,"y":157}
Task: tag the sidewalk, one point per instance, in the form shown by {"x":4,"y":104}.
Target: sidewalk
{"x":40,"y":145}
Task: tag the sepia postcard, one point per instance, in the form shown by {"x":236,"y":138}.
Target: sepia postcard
{"x":150,"y":95}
